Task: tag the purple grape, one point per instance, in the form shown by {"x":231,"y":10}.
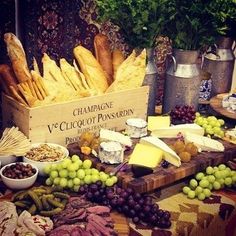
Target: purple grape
{"x":93,"y":187}
{"x":120,"y":201}
{"x":113,"y":202}
{"x":110,"y":195}
{"x":99,"y":183}
{"x":160,"y":212}
{"x":131,"y":202}
{"x":132,"y":213}
{"x":141,"y":215}
{"x":147,"y":209}
{"x":166,"y":215}
{"x":135,"y":220}
{"x":137,"y":196}
{"x":137,"y":207}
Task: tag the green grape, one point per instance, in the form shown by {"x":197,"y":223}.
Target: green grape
{"x":205,"y":122}
{"x":228,"y":181}
{"x":72,"y":167}
{"x":53,"y":167}
{"x":72,"y":174}
{"x":199,"y":176}
{"x":232,"y":173}
{"x":94,"y":171}
{"x":87,"y":164}
{"x":65,"y":163}
{"x":104,"y":177}
{"x":221,"y":181}
{"x":115,"y":179}
{"x":210,"y":186}
{"x":76,"y":188}
{"x":80,"y":173}
{"x":193,"y":183}
{"x":59,"y":166}
{"x":82,"y":182}
{"x":76,"y":165}
{"x":87,"y":171}
{"x":70,"y":183}
{"x":53,"y":174}
{"x":216,"y":130}
{"x":207,"y":192}
{"x":216,"y":185}
{"x":75,"y":158}
{"x":56,"y":181}
{"x":204,"y":126}
{"x":63,"y":182}
{"x":186,"y":189}
{"x":211,"y":118}
{"x":215,"y":168}
{"x":218,"y":174}
{"x":109,"y":182}
{"x":209,"y":170}
{"x":49,"y":181}
{"x":222,"y":167}
{"x":95,"y":178}
{"x":47,"y":169}
{"x":199,"y":120}
{"x":88,"y":179}
{"x":204,"y":183}
{"x":191,"y":194}
{"x":76,"y":181}
{"x":222,"y":122}
{"x":217,"y":124}
{"x":63,"y":173}
{"x":212,"y":123}
{"x":198,"y":190}
{"x":211,"y":178}
{"x":197,"y":114}
{"x":209,"y":131}
{"x":201,"y":196}
{"x":221,"y":134}
{"x":234,"y":178}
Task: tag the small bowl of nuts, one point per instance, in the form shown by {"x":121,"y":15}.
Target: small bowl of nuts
{"x":19,"y":175}
{"x":42,"y":154}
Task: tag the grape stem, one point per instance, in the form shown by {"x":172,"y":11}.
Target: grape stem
{"x":118,"y":168}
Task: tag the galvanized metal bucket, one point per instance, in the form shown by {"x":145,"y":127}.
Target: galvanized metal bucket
{"x":220,"y":63}
{"x":151,"y":80}
{"x":182,"y":80}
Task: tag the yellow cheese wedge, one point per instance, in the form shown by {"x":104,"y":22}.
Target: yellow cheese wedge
{"x":146,"y":155}
{"x":157,"y":122}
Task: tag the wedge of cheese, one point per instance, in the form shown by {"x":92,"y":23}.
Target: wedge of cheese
{"x":168,"y":154}
{"x":106,"y":134}
{"x":173,"y":131}
{"x":158,"y":122}
{"x":146,"y":155}
{"x":204,"y":143}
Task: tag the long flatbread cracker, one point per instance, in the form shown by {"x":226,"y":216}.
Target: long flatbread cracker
{"x":17,"y":96}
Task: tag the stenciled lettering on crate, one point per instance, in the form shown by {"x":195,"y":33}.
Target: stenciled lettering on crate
{"x":63,"y":123}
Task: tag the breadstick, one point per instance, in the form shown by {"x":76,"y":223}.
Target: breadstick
{"x":25,"y":86}
{"x":31,"y":87}
{"x":39,"y":95}
{"x":17,"y":96}
{"x":39,"y":80}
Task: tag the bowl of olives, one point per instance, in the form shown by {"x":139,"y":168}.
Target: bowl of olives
{"x":19,"y":175}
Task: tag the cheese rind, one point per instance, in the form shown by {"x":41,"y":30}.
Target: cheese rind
{"x":169,"y":154}
{"x":136,"y":128}
{"x":145,"y":155}
{"x":111,"y":135}
{"x":157,"y":122}
{"x":173,"y":131}
{"x":204,"y":143}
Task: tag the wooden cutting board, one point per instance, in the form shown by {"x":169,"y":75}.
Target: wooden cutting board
{"x":162,"y":177}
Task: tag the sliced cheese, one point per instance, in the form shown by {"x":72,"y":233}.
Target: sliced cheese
{"x":111,"y":135}
{"x":173,"y":131}
{"x":169,"y":154}
{"x":157,"y":122}
{"x":204,"y":143}
{"x":146,"y":155}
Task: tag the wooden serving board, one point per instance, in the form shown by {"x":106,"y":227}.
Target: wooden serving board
{"x":162,"y":177}
{"x":216,"y":104}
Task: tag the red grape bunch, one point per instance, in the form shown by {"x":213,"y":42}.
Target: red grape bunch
{"x":137,"y":206}
{"x":182,"y":114}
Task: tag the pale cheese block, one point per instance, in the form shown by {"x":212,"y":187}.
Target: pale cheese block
{"x":106,"y":134}
{"x":204,"y":143}
{"x":146,"y":155}
{"x":169,"y":155}
{"x":158,"y":122}
{"x":173,"y":131}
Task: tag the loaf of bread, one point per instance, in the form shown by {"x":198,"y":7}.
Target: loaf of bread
{"x":130,"y":73}
{"x":7,"y":78}
{"x":17,"y":56}
{"x":104,"y":56}
{"x":92,"y":70}
{"x":117,"y":59}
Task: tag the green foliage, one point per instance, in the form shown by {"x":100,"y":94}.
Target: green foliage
{"x":191,"y":25}
{"x":139,"y":20}
{"x":224,"y":13}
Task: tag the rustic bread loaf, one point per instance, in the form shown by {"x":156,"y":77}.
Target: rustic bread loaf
{"x":117,"y":59}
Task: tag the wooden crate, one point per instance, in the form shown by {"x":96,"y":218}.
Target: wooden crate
{"x":63,"y":123}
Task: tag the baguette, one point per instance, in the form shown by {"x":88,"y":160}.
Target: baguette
{"x":130,"y":73}
{"x":7,"y":78}
{"x":91,"y":69}
{"x":103,"y":55}
{"x":117,"y":59}
{"x":17,"y":57}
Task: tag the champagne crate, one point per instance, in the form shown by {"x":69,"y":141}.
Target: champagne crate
{"x":63,"y":123}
